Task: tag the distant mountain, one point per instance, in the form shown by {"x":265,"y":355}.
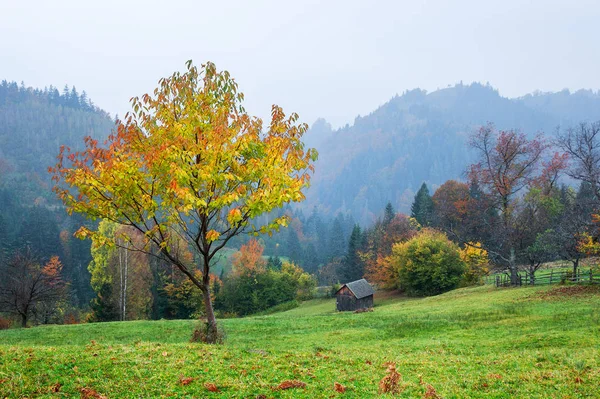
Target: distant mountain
{"x":419,"y":137}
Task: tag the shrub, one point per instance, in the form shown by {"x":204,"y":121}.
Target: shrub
{"x":428,"y":264}
{"x":476,"y":264}
{"x":5,"y":324}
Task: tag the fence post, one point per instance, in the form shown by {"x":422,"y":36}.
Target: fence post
{"x":551,"y":275}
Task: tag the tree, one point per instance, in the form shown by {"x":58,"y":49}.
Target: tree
{"x":451,"y":204}
{"x":337,"y":240}
{"x":582,"y":144}
{"x":120,"y":276}
{"x":274,"y":263}
{"x":352,"y":267}
{"x":507,"y":163}
{"x":388,"y":214}
{"x":249,"y":258}
{"x":422,"y":207}
{"x":189,"y":166}
{"x":378,"y":248}
{"x":575,"y":223}
{"x":27,"y":285}
{"x":428,"y":264}
{"x":476,"y":264}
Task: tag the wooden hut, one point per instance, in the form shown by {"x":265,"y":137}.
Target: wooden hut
{"x":354,"y":296}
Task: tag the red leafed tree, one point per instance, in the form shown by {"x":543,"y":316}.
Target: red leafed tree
{"x":508,"y":162}
{"x":26,"y":285}
{"x":451,"y":204}
{"x":248,"y":258}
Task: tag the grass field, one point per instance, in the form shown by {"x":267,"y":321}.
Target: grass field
{"x":534,"y":342}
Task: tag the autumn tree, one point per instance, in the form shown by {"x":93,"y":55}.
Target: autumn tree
{"x":507,"y":162}
{"x":428,"y":264}
{"x":376,"y":253}
{"x":189,"y":165}
{"x":27,"y":285}
{"x":249,"y":258}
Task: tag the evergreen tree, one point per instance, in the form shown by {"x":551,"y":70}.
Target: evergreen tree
{"x":294,"y":249}
{"x":352,"y":267}
{"x":389,"y":214}
{"x":273,"y":263}
{"x":311,"y":259}
{"x":337,"y":241}
{"x":422,"y":207}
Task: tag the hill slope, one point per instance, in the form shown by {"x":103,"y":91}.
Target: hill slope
{"x":469,"y":343}
{"x":416,"y":137}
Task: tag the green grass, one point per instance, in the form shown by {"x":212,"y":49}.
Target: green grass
{"x":470,"y":343}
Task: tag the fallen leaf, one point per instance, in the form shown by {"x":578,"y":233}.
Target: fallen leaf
{"x":339,"y":387}
{"x":390,"y":382}
{"x":56,"y":387}
{"x":211,"y":387}
{"x":186,"y":380}
{"x":165,"y":354}
{"x":88,"y":393}
{"x":431,"y":393}
{"x":289,"y":384}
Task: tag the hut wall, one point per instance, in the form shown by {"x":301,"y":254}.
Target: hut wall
{"x":346,"y":301}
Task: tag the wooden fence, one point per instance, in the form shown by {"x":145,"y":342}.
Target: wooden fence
{"x":553,"y":277}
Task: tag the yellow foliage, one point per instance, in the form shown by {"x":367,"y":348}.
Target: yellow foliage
{"x":477,"y":261}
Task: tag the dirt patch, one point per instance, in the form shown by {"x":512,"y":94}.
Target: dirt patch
{"x":570,"y":291}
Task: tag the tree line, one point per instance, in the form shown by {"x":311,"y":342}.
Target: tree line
{"x":525,"y":202}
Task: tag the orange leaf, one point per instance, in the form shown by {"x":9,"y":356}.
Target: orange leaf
{"x":289,"y":384}
{"x":186,"y":380}
{"x":339,"y":387}
{"x":211,"y":387}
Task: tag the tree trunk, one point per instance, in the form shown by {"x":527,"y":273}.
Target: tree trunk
{"x":575,"y":267}
{"x":514,"y":276}
{"x":23,"y":320}
{"x":211,"y":327}
{"x":532,"y":275}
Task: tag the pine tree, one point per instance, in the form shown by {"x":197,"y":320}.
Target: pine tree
{"x":311,"y":259}
{"x":294,"y":249}
{"x":389,"y":214}
{"x":422,"y":207}
{"x":274,"y":263}
{"x":337,"y":241}
{"x":352,"y":267}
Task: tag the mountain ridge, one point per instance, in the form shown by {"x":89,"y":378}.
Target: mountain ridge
{"x":421,"y":137}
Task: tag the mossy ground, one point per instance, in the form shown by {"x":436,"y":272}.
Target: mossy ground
{"x":470,"y":343}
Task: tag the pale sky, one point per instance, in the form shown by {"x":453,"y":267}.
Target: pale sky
{"x":331,"y":59}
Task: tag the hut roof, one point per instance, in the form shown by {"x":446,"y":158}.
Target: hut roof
{"x":360,"y":288}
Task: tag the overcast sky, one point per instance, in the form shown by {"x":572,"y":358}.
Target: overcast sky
{"x":331,"y":59}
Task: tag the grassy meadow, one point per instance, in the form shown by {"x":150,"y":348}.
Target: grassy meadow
{"x":530,"y":342}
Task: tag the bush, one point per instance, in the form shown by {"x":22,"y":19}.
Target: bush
{"x":5,"y":324}
{"x":428,"y":264}
{"x":255,"y":290}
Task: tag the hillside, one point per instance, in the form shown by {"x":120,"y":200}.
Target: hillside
{"x":419,"y":136}
{"x":34,"y":123}
{"x":469,"y":343}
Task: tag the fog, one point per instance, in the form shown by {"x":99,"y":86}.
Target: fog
{"x":333,"y":59}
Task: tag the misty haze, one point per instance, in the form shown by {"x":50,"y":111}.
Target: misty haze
{"x":300,"y":200}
